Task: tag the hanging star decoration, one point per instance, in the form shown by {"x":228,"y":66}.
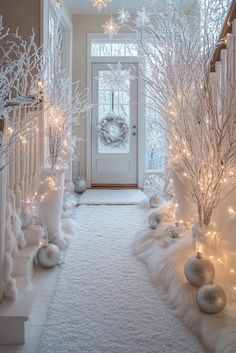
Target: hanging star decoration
{"x":100,"y":4}
{"x":110,"y":27}
{"x":142,"y":18}
{"x":123,"y":16}
{"x":115,"y":77}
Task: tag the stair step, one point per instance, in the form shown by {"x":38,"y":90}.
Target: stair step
{"x":24,"y":261}
{"x":33,"y":234}
{"x":13,"y":315}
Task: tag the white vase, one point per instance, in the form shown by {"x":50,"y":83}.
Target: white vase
{"x":185,"y":209}
{"x":3,"y":183}
{"x":51,"y":192}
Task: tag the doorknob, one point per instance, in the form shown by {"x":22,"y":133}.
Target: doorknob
{"x":134,"y":134}
{"x":134,"y":126}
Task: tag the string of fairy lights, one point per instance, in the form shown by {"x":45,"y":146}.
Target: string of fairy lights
{"x":213,"y":234}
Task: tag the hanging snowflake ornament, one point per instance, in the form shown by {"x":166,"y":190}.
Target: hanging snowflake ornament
{"x":123,"y":16}
{"x":100,"y":4}
{"x":116,"y":77}
{"x":142,"y":18}
{"x":110,"y":27}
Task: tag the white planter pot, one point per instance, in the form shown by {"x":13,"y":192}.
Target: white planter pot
{"x":3,"y":183}
{"x":185,"y":209}
{"x":51,"y":194}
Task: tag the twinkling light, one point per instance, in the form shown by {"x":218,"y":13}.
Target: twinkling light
{"x":100,"y":4}
{"x":110,"y":27}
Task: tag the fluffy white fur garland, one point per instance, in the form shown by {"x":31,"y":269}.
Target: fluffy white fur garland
{"x":14,"y":240}
{"x":166,"y":268}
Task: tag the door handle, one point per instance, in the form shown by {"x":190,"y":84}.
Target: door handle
{"x":134,"y":126}
{"x":134,"y":134}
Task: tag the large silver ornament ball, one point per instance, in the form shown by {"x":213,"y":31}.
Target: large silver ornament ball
{"x":199,"y":271}
{"x":48,"y":255}
{"x":211,"y":298}
{"x":154,"y":201}
{"x":172,"y":233}
{"x":156,"y":218}
{"x":80,"y":185}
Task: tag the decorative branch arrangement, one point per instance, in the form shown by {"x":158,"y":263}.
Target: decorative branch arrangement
{"x":21,"y":75}
{"x":68,"y":106}
{"x":200,"y":132}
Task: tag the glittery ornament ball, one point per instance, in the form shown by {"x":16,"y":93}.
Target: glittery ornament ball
{"x":199,"y":270}
{"x":211,"y":298}
{"x":171,"y":234}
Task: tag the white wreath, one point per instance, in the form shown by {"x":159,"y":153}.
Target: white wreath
{"x":104,"y":130}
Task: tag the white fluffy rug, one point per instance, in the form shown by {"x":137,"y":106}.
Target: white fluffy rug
{"x":111,"y":197}
{"x":166,"y":268}
{"x":104,"y":301}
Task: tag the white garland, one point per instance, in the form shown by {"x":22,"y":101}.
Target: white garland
{"x":105,"y":135}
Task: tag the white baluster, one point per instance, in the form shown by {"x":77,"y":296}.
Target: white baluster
{"x":219,"y":85}
{"x":18,"y":185}
{"x":223,"y":59}
{"x":3,"y":182}
{"x":234,"y":63}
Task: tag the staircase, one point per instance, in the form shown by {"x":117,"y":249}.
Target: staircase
{"x":223,"y":78}
{"x":13,"y":314}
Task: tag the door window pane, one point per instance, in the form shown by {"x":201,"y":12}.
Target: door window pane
{"x":121,"y":107}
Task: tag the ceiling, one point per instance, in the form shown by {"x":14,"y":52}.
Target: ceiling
{"x":86,"y":6}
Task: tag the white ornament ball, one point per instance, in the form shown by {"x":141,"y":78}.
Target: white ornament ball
{"x":67,"y":209}
{"x":69,"y":186}
{"x":154,"y":201}
{"x":155,"y":218}
{"x":80,"y":185}
{"x":48,"y":255}
{"x":199,"y":271}
{"x":26,"y":216}
{"x":211,"y":298}
{"x":172,"y":233}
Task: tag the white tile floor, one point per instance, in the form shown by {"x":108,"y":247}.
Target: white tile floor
{"x":44,"y":282}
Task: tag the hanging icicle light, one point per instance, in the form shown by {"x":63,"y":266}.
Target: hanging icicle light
{"x":111,"y":27}
{"x":100,"y":4}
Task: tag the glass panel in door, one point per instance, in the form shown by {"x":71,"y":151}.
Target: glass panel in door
{"x":115,"y":101}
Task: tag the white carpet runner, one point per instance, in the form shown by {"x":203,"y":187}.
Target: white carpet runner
{"x":111,"y":197}
{"x":104,"y":301}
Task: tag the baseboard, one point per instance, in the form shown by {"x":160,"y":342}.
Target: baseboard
{"x":114,"y":186}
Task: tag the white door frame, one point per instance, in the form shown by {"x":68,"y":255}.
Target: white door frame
{"x":141,"y":106}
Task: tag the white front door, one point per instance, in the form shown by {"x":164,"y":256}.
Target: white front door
{"x":112,"y":164}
